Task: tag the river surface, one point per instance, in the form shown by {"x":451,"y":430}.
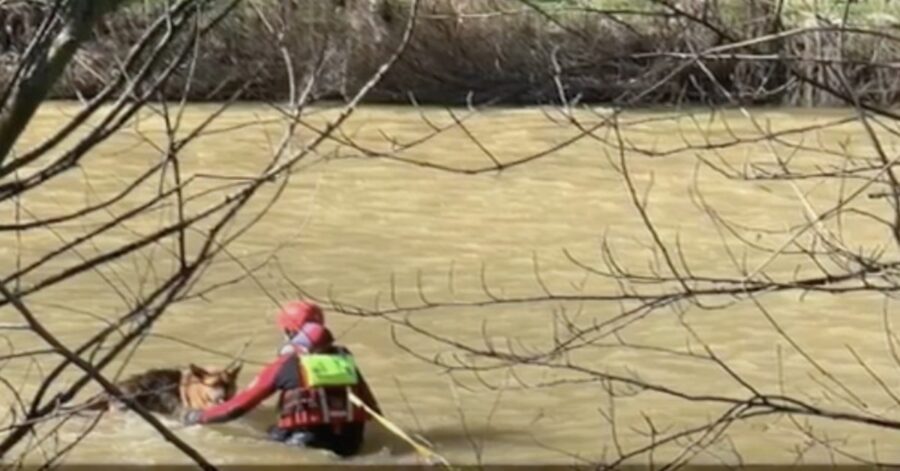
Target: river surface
{"x":364,"y":230}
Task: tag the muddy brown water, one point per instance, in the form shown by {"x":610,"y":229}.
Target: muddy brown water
{"x":350,"y":228}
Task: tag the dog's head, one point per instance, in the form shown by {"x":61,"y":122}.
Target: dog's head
{"x":205,"y":387}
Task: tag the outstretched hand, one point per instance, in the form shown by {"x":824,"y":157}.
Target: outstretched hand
{"x":191,"y":417}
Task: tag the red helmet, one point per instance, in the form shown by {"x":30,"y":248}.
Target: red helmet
{"x":295,"y":314}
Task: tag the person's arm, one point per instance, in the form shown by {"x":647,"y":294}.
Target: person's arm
{"x":366,"y":395}
{"x":257,"y":391}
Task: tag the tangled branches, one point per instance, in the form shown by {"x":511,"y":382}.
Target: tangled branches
{"x":187,"y":220}
{"x":682,"y":327}
{"x":669,"y":322}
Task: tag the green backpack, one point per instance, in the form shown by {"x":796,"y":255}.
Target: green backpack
{"x":323,"y":370}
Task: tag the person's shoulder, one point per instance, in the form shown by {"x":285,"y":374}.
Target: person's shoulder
{"x":286,"y":363}
{"x":343,"y":350}
{"x":287,"y":357}
{"x":283,"y":359}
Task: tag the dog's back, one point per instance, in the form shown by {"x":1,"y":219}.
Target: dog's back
{"x":155,"y":390}
{"x":165,"y":391}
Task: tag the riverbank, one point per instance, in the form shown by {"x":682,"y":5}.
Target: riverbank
{"x":504,"y":52}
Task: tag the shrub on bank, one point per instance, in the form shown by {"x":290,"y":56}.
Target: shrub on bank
{"x":505,"y":51}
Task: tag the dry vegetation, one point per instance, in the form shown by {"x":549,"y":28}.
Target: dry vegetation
{"x":506,"y":51}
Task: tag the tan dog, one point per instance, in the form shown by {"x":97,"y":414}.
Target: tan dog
{"x":171,"y":391}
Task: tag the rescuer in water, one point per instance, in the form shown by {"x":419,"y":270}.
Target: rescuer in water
{"x":313,"y":377}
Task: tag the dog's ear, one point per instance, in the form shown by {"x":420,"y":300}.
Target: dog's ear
{"x":198,"y":371}
{"x":234,"y":370}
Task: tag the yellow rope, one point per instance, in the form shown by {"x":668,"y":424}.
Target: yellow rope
{"x":423,"y":450}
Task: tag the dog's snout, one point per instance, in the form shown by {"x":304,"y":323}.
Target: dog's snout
{"x":218,"y":396}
